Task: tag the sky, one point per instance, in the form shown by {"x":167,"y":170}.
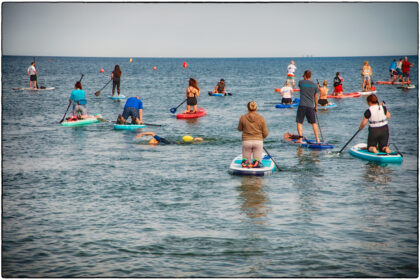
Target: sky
{"x":211,"y":29}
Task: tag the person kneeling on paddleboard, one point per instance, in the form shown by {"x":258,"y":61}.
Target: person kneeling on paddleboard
{"x":192,"y":92}
{"x":220,"y":87}
{"x":377,"y":116}
{"x":323,"y":93}
{"x":78,"y":98}
{"x":160,"y":140}
{"x":133,"y":108}
{"x":286,"y":93}
{"x":254,"y":131}
{"x":338,"y":87}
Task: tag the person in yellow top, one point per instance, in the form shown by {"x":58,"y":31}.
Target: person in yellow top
{"x":366,"y":76}
{"x":254,"y":131}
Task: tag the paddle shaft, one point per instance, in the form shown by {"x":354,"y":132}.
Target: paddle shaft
{"x":99,"y":91}
{"x":317,"y":119}
{"x":173,"y":110}
{"x":349,"y":141}
{"x":271,"y":158}
{"x":36,"y":77}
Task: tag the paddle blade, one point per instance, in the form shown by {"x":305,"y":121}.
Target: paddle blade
{"x":97,"y":93}
{"x":173,"y":110}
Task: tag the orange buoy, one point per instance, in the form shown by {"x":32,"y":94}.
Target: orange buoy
{"x":131,"y":60}
{"x":102,"y":70}
{"x":154,"y":68}
{"x":277,"y":90}
{"x":185,"y":65}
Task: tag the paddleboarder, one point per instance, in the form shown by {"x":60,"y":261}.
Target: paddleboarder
{"x":406,"y":65}
{"x":291,"y":68}
{"x":286,"y":93}
{"x":220,"y":87}
{"x":32,"y":75}
{"x":308,"y":105}
{"x":133,"y":108}
{"x":254,"y":131}
{"x":366,"y":76}
{"x":78,"y":97}
{"x":338,"y":86}
{"x":116,"y":78}
{"x":377,"y":116}
{"x":192,"y":93}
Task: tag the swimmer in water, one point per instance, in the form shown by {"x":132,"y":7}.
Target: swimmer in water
{"x":156,"y":140}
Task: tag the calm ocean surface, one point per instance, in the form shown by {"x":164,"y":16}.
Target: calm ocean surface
{"x":92,"y":202}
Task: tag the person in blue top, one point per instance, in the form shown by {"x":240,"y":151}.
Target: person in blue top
{"x":133,"y":108}
{"x":79,"y":101}
{"x":393,"y":71}
{"x":308,"y":105}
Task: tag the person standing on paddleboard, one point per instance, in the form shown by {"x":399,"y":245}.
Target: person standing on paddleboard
{"x":399,"y":69}
{"x":192,"y":92}
{"x":406,"y":65}
{"x":116,"y":76}
{"x":78,"y":97}
{"x":393,"y":71}
{"x":338,"y":86}
{"x":308,"y":105}
{"x":366,"y":76}
{"x":291,"y":73}
{"x":133,"y":108}
{"x":32,"y":75}
{"x":220,"y":87}
{"x":377,"y":116}
{"x":254,"y":131}
{"x":286,"y":93}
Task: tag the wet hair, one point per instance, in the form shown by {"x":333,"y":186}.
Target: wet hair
{"x":325,"y":83}
{"x":193,"y":83}
{"x":337,"y":74}
{"x":307,"y":74}
{"x":372,"y":99}
{"x":252,"y":106}
{"x":78,"y":85}
{"x":117,"y":70}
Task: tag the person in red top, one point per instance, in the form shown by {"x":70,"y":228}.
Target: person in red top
{"x":406,"y":70}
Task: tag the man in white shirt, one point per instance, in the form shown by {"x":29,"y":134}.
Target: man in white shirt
{"x":291,"y":73}
{"x":32,"y":74}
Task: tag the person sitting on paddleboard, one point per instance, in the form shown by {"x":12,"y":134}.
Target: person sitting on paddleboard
{"x":32,"y":75}
{"x":291,"y":73}
{"x":254,"y":131}
{"x":116,"y":76}
{"x":366,"y":76}
{"x":308,"y":98}
{"x":78,"y":97}
{"x":192,"y":92}
{"x":338,"y":87}
{"x":133,"y":108}
{"x":286,"y":93}
{"x":323,"y":92}
{"x":377,"y":116}
{"x":220,"y":87}
{"x":160,"y":140}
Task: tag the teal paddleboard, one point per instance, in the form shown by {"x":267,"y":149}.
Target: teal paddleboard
{"x":360,"y":151}
{"x":128,"y":126}
{"x":86,"y":121}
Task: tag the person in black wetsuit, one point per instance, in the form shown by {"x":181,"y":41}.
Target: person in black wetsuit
{"x":160,"y":140}
{"x":116,"y":78}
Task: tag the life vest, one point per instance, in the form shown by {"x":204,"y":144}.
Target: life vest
{"x":337,"y":81}
{"x":377,"y":116}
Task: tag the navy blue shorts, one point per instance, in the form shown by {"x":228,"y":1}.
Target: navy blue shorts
{"x":130,"y":112}
{"x":307,"y":112}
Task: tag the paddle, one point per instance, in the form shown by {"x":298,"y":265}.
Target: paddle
{"x":398,"y":151}
{"x":317,"y":119}
{"x":36,"y":77}
{"x":70,"y":103}
{"x":173,"y":110}
{"x":349,"y":141}
{"x":99,"y":91}
{"x":271,"y":158}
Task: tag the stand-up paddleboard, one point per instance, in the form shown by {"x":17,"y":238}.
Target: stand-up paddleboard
{"x":329,"y":105}
{"x":201,"y":112}
{"x":295,"y":103}
{"x":128,"y":126}
{"x":345,"y":95}
{"x":360,"y":151}
{"x":35,"y":89}
{"x":117,"y":97}
{"x":306,"y":143}
{"x":267,"y":167}
{"x":79,"y":122}
{"x":363,"y":93}
{"x":219,"y":94}
{"x":407,"y":86}
{"x":390,"y":83}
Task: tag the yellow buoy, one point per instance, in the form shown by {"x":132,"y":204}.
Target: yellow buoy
{"x":187,"y":138}
{"x":131,"y":60}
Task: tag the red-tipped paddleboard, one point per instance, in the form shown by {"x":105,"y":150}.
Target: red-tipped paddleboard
{"x":200,"y":113}
{"x":345,"y":95}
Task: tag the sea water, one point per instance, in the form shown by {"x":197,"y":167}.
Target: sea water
{"x":93,"y":202}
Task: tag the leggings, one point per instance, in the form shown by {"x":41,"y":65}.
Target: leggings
{"x":252,"y":149}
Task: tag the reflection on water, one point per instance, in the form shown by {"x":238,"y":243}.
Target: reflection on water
{"x":310,"y":155}
{"x":253,"y":198}
{"x":377,"y":173}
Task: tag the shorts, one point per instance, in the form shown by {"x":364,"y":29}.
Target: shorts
{"x":399,"y":71}
{"x":115,"y":84}
{"x":378,"y":136}
{"x":286,"y":100}
{"x":33,"y":78}
{"x":406,"y":75}
{"x":323,"y":102}
{"x":366,"y":77}
{"x":307,"y":112}
{"x":338,"y":88}
{"x":79,"y":109}
{"x":130,"y":112}
{"x":291,"y":78}
{"x":392,"y":72}
{"x":191,"y":101}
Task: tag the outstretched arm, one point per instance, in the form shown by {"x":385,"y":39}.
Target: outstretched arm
{"x":145,"y":133}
